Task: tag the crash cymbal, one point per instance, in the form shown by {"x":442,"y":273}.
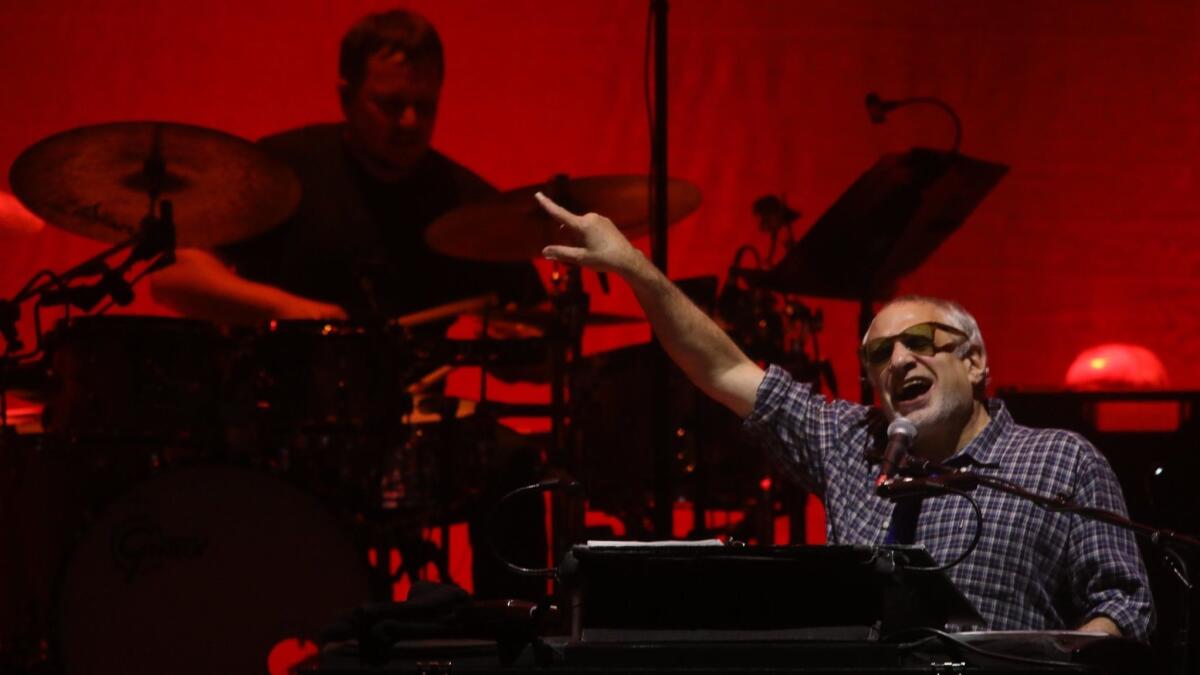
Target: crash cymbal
{"x":96,"y":182}
{"x":511,"y":226}
{"x":15,"y":219}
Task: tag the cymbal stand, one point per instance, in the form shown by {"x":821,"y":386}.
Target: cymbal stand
{"x":154,"y":242}
{"x":565,"y":339}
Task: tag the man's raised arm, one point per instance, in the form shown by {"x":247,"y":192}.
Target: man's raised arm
{"x":706,"y":354}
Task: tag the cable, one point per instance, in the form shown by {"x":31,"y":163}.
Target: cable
{"x":543,"y":486}
{"x":974,"y":540}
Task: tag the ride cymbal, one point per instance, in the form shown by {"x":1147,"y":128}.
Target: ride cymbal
{"x":98,"y":182}
{"x":512,"y":227}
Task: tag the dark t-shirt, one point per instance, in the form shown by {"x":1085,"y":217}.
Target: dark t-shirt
{"x":359,"y":243}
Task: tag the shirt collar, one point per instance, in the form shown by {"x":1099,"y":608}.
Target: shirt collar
{"x":983,"y":450}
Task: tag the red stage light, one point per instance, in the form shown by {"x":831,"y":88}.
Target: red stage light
{"x":1116,"y":366}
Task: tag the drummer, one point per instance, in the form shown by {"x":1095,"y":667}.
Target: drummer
{"x":354,"y":249}
{"x":371,"y":184}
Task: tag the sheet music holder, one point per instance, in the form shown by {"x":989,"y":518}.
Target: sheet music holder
{"x":731,"y":593}
{"x":884,"y":226}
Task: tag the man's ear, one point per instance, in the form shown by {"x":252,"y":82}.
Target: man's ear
{"x":976,"y":366}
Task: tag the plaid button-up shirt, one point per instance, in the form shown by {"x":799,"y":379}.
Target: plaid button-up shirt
{"x":1033,"y":569}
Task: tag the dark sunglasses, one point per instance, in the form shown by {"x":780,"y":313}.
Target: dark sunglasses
{"x":917,"y":339}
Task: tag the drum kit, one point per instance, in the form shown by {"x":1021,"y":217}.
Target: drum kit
{"x":189,"y":483}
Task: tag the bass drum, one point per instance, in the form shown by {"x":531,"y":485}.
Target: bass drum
{"x":203,"y":570}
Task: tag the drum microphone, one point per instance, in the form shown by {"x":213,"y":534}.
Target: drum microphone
{"x":901,"y":434}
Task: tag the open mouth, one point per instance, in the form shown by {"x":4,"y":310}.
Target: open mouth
{"x":912,"y":389}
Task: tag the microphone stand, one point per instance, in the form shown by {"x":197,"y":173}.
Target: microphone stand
{"x":926,"y":477}
{"x":660,"y":425}
{"x":878,"y":108}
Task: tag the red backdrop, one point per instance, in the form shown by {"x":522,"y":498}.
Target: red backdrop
{"x":1091,"y":237}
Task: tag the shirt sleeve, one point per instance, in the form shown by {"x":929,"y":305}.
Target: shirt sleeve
{"x":1107,"y":575}
{"x":802,"y":431}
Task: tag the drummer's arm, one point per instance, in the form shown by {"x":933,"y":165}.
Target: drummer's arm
{"x":199,"y":285}
{"x":706,"y":354}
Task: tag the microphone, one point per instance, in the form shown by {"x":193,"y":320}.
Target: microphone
{"x":901,"y":434}
{"x":877,"y":108}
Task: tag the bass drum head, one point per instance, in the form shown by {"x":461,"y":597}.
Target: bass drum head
{"x":203,"y":570}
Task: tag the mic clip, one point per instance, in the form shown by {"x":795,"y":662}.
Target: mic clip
{"x":916,"y":481}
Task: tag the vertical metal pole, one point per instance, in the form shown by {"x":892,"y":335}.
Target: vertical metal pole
{"x":661,"y":424}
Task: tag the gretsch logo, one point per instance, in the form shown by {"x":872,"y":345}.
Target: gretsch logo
{"x":141,"y":545}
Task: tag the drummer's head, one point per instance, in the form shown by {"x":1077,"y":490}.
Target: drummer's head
{"x":390,"y":69}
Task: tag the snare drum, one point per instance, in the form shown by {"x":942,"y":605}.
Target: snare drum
{"x":329,"y":401}
{"x":203,"y":569}
{"x":330,"y":377}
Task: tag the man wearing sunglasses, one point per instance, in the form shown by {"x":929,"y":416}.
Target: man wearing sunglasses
{"x":1031,"y":569}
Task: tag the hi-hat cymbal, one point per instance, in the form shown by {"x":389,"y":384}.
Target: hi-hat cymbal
{"x":512,"y":226}
{"x":15,"y":219}
{"x":96,"y":181}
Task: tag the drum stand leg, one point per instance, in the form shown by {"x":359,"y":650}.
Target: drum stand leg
{"x":416,"y":553}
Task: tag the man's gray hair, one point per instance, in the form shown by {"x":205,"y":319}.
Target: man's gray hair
{"x":957,"y":316}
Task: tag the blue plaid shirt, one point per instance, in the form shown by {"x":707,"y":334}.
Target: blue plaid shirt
{"x":1033,"y":569}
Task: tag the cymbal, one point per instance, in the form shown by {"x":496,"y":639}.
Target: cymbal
{"x":96,"y":181}
{"x":15,"y":219}
{"x":511,"y":226}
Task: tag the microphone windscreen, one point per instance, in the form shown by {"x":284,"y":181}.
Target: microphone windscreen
{"x":903,"y":426}
{"x":875,"y":108}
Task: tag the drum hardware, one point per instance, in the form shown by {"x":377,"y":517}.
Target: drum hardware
{"x":539,"y":316}
{"x":770,"y":326}
{"x":710,"y":464}
{"x":510,"y":227}
{"x":153,"y":244}
{"x":77,"y":412}
{"x":123,"y":185}
{"x":98,"y":181}
{"x":775,"y":218}
{"x":486,"y":352}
